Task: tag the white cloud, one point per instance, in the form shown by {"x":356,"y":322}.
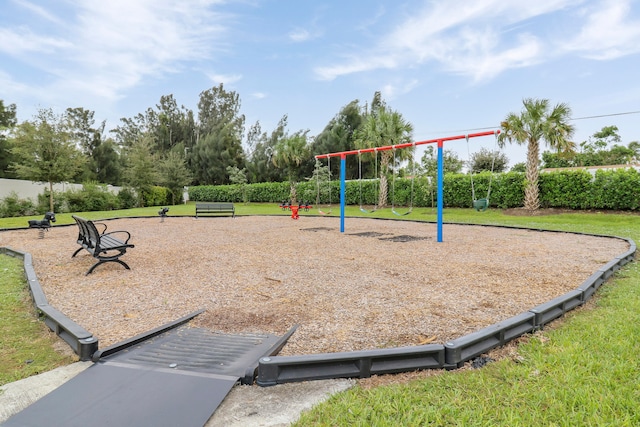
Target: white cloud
{"x":608,"y":32}
{"x":23,"y":41}
{"x":39,"y":11}
{"x":110,"y":47}
{"x":474,"y":38}
{"x":299,"y":35}
{"x":224,"y":78}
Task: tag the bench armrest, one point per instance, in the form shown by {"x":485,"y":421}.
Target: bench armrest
{"x":119,"y":232}
{"x":101,"y":224}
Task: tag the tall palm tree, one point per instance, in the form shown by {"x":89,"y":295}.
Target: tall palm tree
{"x":385,"y":127}
{"x":537,"y":123}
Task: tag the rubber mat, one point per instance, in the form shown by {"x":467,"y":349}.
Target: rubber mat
{"x":177,"y":378}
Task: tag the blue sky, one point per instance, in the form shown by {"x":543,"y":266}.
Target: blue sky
{"x":447,"y":66}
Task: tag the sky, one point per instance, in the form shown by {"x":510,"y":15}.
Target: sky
{"x":449,"y":67}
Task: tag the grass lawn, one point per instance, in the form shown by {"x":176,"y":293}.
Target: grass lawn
{"x":584,"y":370}
{"x":27,"y":347}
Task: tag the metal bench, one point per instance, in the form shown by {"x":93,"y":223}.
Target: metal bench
{"x":101,"y":245}
{"x":215,"y":209}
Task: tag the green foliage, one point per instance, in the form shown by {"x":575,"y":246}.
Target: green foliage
{"x":565,"y":189}
{"x":45,"y":151}
{"x":127,"y":198}
{"x":616,"y":189}
{"x":141,"y":172}
{"x":7,"y":121}
{"x":12,"y":205}
{"x":220,"y":142}
{"x":487,"y":160}
{"x":507,"y":190}
{"x":92,"y":197}
{"x":429,"y":162}
{"x":44,"y":202}
{"x":174,"y":174}
{"x":157,"y":196}
{"x":519,"y":167}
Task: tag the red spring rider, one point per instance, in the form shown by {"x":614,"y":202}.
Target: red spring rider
{"x":294,"y":212}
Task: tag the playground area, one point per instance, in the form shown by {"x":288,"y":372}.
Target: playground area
{"x":380,"y":284}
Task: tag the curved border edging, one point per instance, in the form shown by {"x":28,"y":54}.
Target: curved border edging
{"x":83,"y":343}
{"x":362,"y":364}
{"x":274,"y":370}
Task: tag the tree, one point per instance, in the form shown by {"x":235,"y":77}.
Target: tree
{"x":429,"y":162}
{"x":261,"y":148}
{"x":520,"y":167}
{"x":80,"y":124}
{"x":7,"y":122}
{"x":239,"y":177}
{"x":220,"y":131}
{"x":141,"y":173}
{"x":487,"y":160}
{"x":338,"y":135}
{"x":289,"y":154}
{"x":174,"y":173}
{"x":45,"y":152}
{"x":106,"y":162}
{"x":534,"y":124}
{"x":594,"y":152}
{"x":382,"y":127}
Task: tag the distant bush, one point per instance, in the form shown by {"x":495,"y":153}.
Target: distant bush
{"x":12,"y":206}
{"x":92,"y":197}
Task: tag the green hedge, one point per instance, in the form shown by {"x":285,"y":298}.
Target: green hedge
{"x":614,"y":189}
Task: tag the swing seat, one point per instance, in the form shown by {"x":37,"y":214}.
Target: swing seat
{"x":481,"y":205}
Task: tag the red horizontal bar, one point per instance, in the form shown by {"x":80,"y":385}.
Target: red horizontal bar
{"x":406,"y":145}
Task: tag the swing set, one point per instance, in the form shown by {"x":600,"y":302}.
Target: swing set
{"x":440,"y":143}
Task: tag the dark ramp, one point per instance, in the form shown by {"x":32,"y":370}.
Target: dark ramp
{"x":176,"y":378}
{"x":128,"y":395}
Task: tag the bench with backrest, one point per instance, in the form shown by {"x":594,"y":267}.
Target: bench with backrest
{"x":105,"y":247}
{"x":215,"y":208}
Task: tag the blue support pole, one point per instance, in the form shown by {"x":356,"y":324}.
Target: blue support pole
{"x":343,"y":189}
{"x":440,"y":195}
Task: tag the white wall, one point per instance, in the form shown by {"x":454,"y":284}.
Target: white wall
{"x":30,"y":190}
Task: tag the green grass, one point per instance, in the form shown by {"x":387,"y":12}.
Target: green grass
{"x":584,"y":370}
{"x":26,"y":344}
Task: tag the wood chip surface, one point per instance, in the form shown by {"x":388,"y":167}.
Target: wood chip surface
{"x":380,"y":284}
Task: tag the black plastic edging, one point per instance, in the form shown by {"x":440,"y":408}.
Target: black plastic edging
{"x":360,"y":364}
{"x":252,"y":371}
{"x":280,"y":369}
{"x":83,"y":343}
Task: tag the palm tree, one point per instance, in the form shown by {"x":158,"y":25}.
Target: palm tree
{"x":288,"y":154}
{"x":534,"y":124}
{"x":385,"y":127}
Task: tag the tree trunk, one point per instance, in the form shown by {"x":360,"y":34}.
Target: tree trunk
{"x":384,"y":189}
{"x":385,"y":158}
{"x":531,"y":192}
{"x":293,"y":192}
{"x":50,"y":196}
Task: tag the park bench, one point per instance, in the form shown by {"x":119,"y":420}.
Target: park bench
{"x":215,"y":208}
{"x":103,"y":246}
